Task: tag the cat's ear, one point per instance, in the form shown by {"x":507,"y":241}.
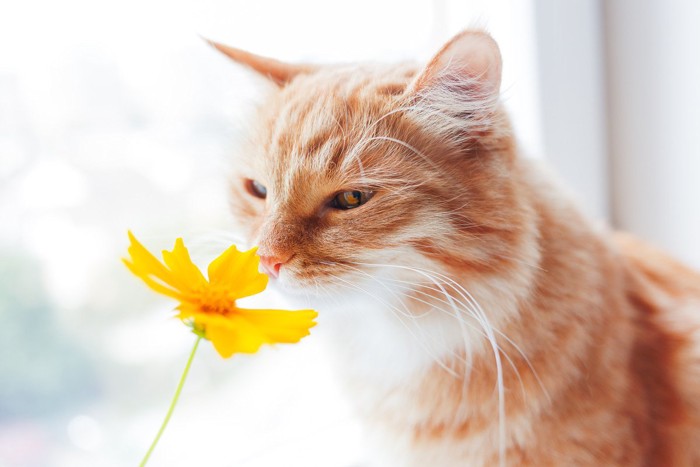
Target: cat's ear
{"x":471,"y":57}
{"x":279,"y":72}
{"x":456,"y":96}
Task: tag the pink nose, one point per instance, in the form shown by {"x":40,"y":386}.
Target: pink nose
{"x":271,"y":264}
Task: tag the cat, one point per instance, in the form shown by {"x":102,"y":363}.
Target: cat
{"x":480,"y":318}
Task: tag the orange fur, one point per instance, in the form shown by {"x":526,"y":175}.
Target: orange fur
{"x":598,"y":334}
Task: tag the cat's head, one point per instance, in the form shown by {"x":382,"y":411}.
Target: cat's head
{"x":358,"y":170}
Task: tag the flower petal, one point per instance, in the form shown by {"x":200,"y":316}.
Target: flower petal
{"x":181,"y":266}
{"x":147,"y":267}
{"x":280,"y":326}
{"x":237,"y":271}
{"x":154,"y":285}
{"x":230,"y":334}
{"x":244,"y":331}
{"x":187,"y":309}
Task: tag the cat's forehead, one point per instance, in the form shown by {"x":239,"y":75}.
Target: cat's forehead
{"x":318,"y":120}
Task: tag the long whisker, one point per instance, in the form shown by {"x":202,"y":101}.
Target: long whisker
{"x":460,"y":304}
{"x":508,"y":339}
{"x":483,"y":320}
{"x":397,"y":313}
{"x":459,"y":318}
{"x":457,"y":288}
{"x":462,"y":290}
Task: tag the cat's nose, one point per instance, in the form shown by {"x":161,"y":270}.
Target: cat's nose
{"x":271,"y":264}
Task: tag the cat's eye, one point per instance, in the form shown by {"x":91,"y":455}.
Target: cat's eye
{"x":350,"y":199}
{"x":256,"y":188}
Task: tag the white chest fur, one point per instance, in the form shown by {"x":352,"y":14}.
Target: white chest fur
{"x":385,"y":346}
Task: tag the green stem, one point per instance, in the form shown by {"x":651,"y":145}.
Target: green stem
{"x":173,"y":403}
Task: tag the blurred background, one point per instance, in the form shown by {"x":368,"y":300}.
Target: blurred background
{"x":115,"y":115}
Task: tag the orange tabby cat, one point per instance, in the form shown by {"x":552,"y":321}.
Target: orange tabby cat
{"x":480,"y":318}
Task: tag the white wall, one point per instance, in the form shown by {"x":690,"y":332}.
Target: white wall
{"x":653,"y":65}
{"x":572,"y":90}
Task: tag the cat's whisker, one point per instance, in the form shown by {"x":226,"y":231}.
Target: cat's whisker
{"x":465,"y":360}
{"x":491,"y":338}
{"x":215,"y":240}
{"x":397,"y":314}
{"x":426,"y":313}
{"x":388,"y":289}
{"x":411,"y":286}
{"x":464,"y":292}
{"x":457,"y":287}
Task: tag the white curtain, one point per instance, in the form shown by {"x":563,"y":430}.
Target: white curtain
{"x":619,"y":85}
{"x":572,"y":89}
{"x":653,"y":89}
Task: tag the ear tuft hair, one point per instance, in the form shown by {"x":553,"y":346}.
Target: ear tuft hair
{"x":472,"y":54}
{"x":457,"y":93}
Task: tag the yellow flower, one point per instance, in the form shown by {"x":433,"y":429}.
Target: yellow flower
{"x":209,"y":305}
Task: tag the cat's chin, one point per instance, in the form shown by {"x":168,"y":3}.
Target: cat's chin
{"x":297,"y":295}
{"x":288,"y":284}
{"x":295,"y":289}
{"x":311,"y":292}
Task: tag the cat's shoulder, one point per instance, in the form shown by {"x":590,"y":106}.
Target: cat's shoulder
{"x":666,"y":295}
{"x":665,"y":291}
{"x":658,"y":272}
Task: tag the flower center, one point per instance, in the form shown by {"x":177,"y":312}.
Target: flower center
{"x":216,"y":301}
